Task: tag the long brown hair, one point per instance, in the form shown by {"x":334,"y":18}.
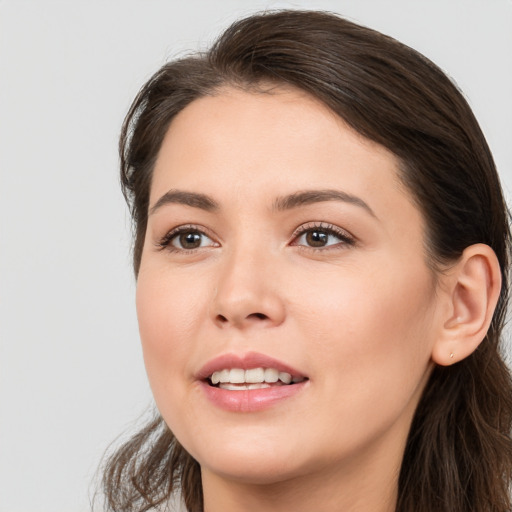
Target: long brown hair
{"x":459,"y":451}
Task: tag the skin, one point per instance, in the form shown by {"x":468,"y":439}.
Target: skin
{"x":359,"y":318}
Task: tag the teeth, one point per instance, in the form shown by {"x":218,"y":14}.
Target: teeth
{"x":236,"y":376}
{"x":271,"y":375}
{"x":240,"y":387}
{"x":222,"y":376}
{"x":285,"y":377}
{"x":254,"y":376}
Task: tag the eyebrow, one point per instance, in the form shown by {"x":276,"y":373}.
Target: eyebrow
{"x":192,"y":199}
{"x":295,"y":200}
{"x":306,"y":197}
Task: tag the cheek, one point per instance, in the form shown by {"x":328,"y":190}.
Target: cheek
{"x":168,"y":311}
{"x":380,"y":310}
{"x":374,"y":337}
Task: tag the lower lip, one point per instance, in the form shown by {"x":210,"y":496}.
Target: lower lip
{"x":250,"y":400}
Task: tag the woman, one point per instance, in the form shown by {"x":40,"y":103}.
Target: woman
{"x":321,"y":251}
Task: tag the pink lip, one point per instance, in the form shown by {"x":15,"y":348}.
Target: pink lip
{"x":250,"y":400}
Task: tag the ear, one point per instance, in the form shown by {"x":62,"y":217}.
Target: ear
{"x":472,"y":287}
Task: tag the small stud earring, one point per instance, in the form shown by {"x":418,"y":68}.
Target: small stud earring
{"x":451,"y":355}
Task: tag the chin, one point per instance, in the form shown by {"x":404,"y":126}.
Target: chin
{"x":251,"y":460}
{"x":255,"y":470}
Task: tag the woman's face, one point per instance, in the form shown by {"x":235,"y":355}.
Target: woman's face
{"x":281,"y":244}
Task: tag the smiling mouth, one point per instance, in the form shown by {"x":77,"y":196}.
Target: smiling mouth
{"x":238,"y":379}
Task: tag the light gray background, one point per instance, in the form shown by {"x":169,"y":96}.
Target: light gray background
{"x":71,"y":372}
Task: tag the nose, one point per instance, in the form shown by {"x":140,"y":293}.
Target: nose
{"x":247,"y":294}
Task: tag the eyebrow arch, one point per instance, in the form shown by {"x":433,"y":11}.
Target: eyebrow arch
{"x":192,"y":199}
{"x":303,"y":198}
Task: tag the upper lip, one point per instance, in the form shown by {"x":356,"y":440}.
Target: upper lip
{"x":245,"y":361}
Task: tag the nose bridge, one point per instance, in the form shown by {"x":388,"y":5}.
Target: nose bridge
{"x":246,"y":292}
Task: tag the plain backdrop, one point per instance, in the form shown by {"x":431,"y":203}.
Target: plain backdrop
{"x":71,"y":372}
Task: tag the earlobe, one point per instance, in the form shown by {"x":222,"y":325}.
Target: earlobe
{"x":473,"y":288}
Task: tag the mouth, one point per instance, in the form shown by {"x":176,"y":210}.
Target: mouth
{"x":250,"y":382}
{"x":239,"y":379}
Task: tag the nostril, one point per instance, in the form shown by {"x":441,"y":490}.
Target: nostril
{"x":259,"y":316}
{"x":253,"y":316}
{"x":241,"y":320}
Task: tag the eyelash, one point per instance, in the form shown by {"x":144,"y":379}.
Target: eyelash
{"x":166,"y":241}
{"x":331,"y":230}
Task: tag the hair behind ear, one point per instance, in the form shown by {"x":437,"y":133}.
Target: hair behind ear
{"x":459,"y":442}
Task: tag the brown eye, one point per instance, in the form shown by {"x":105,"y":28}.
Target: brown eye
{"x":191,"y":240}
{"x":319,"y":237}
{"x":316,"y":238}
{"x":188,"y":240}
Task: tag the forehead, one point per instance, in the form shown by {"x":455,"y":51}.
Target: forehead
{"x":279,"y":134}
{"x":253,"y":123}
